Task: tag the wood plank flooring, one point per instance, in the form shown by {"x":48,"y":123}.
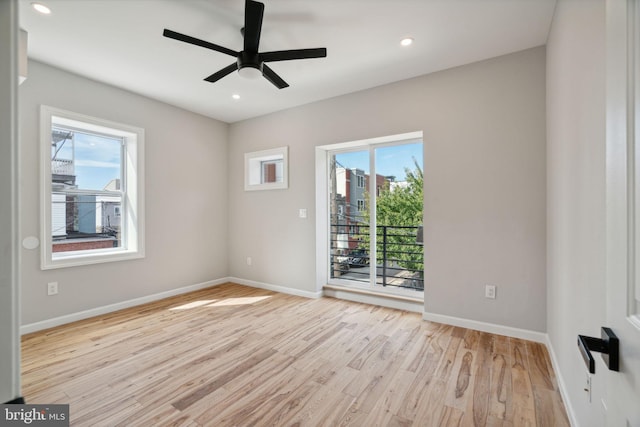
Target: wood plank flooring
{"x":237,"y":356}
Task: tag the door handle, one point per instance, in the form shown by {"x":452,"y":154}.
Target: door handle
{"x":608,"y":344}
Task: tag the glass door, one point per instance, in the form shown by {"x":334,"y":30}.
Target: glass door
{"x":349,"y":244}
{"x":375,"y":217}
{"x":398,"y":190}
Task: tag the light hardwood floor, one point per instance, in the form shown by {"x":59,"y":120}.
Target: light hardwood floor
{"x":238,"y":356}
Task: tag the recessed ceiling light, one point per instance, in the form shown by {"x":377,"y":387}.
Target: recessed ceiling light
{"x":235,"y":96}
{"x":406,"y":41}
{"x":41,"y":8}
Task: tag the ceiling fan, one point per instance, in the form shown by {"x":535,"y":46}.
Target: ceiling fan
{"x":250,"y":62}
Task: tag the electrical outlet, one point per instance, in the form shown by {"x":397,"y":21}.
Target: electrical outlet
{"x":490,"y":291}
{"x":249,"y":260}
{"x":52,"y":288}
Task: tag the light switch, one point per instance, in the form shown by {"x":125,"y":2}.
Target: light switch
{"x":302,"y":213}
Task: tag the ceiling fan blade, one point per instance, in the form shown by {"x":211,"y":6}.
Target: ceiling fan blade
{"x":224,"y":72}
{"x":253,"y":14}
{"x":271,"y":75}
{"x":285,"y":55}
{"x":192,"y":40}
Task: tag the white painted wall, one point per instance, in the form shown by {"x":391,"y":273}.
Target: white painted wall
{"x":9,"y":262}
{"x":576,"y":194}
{"x":484,"y":157}
{"x":186,"y":193}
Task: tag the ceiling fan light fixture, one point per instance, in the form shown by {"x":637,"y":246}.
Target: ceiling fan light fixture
{"x":407,"y":41}
{"x":250,"y":73}
{"x":39,"y":7}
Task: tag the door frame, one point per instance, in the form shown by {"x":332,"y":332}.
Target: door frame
{"x":622,"y":209}
{"x":322,"y":199}
{"x":9,"y":215}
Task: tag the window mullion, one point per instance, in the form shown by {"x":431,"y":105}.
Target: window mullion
{"x":80,"y":192}
{"x":373,"y":255}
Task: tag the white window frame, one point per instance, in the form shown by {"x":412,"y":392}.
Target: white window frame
{"x":253,"y":169}
{"x":132,"y":206}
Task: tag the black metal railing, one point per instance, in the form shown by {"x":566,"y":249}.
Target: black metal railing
{"x":399,"y":254}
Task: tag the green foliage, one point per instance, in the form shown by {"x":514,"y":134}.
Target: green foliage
{"x":400,"y":207}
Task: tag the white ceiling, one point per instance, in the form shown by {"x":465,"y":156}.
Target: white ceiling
{"x":120,"y":42}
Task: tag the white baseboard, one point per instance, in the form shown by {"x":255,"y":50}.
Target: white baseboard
{"x":68,"y":318}
{"x":275,"y":288}
{"x":492,"y":328}
{"x":573,"y":420}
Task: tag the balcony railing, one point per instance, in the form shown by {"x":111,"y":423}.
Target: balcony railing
{"x":399,"y":255}
{"x":62,"y":167}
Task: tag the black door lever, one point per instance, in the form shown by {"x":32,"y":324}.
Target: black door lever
{"x":608,"y":345}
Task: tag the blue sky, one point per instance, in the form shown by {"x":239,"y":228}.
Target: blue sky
{"x":390,"y":160}
{"x":97,"y":160}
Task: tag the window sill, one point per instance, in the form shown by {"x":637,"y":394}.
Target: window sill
{"x":374,"y":293}
{"x":89,"y":259}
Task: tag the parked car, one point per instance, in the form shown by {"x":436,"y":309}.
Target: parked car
{"x":358,"y":258}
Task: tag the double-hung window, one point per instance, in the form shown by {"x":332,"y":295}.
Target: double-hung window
{"x":92,"y":190}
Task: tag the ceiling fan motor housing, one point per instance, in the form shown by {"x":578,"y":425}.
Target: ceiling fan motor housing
{"x":249,"y":65}
{"x":249,"y":59}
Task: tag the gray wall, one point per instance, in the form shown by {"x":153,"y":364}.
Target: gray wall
{"x":186,"y":193}
{"x":484,"y":157}
{"x":9,"y":274}
{"x":576,"y":192}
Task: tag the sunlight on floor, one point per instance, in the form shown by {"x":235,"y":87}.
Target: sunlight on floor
{"x":194,"y":304}
{"x":221,"y":303}
{"x":238,"y":301}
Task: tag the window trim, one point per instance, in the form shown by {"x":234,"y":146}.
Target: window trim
{"x":132,"y":203}
{"x":253,"y":169}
